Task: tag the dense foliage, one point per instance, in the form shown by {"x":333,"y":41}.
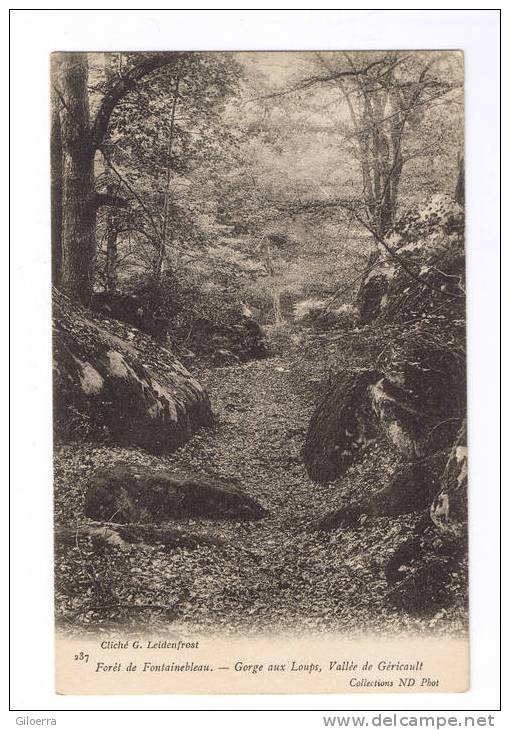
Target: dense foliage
{"x":202,"y":154}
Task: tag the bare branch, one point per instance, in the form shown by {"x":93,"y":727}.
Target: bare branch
{"x":350,"y":206}
{"x":313,"y":80}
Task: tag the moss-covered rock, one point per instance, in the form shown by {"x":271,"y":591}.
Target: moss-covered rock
{"x":419,"y":267}
{"x":430,"y":567}
{"x":338,"y":429}
{"x":115,"y":383}
{"x":411,"y":489}
{"x":413,"y":293}
{"x":128,"y":493}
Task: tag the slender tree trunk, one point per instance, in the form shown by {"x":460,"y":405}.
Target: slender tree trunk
{"x":111,"y":271}
{"x":395,"y":134}
{"x":380,"y":149}
{"x":375,"y":113}
{"x":56,"y":177}
{"x":166,"y":206}
{"x":78,"y":194}
{"x":459,"y":188}
{"x":269,"y":266}
{"x":277,"y":310}
{"x":112,"y":274}
{"x":158,"y":261}
{"x":363,"y":138}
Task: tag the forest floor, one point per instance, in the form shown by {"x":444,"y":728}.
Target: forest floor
{"x":277,"y":574}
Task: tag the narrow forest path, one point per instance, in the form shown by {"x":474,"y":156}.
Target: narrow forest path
{"x":260,"y":426}
{"x":275,"y":574}
{"x":280,"y":573}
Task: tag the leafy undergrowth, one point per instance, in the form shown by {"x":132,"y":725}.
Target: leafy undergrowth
{"x":278,"y":574}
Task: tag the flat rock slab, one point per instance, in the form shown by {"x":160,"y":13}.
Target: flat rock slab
{"x":126,"y":493}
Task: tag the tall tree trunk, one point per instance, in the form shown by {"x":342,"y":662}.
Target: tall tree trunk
{"x":78,"y":194}
{"x":396,"y":125}
{"x":56,"y":176}
{"x":112,"y":273}
{"x":365,"y":159}
{"x":112,"y":62}
{"x":80,"y":140}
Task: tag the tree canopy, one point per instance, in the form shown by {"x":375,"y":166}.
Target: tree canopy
{"x":219,"y":160}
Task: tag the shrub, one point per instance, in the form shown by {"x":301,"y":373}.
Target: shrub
{"x":202,"y":315}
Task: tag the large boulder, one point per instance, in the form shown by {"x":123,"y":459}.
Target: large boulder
{"x":429,"y":568}
{"x":337,"y":433}
{"x":397,"y":416}
{"x":237,"y":339}
{"x":422,"y":394}
{"x":374,"y":286}
{"x":126,"y":493}
{"x":424,"y":369}
{"x":359,"y":408}
{"x":115,"y":383}
{"x":411,"y":489}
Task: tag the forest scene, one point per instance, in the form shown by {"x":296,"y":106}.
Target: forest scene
{"x":259,"y":342}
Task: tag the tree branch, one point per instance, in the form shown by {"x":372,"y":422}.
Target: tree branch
{"x":348,"y":207}
{"x":131,"y":190}
{"x":110,"y":199}
{"x":310,"y":82}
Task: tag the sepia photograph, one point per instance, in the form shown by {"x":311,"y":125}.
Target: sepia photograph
{"x":259,"y":362}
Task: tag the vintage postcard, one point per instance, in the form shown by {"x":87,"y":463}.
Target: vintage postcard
{"x":260,"y":454}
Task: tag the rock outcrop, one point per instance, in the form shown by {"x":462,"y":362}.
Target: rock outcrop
{"x":131,"y":493}
{"x":412,"y":488}
{"x":412,"y":306}
{"x":421,"y":397}
{"x":426,"y":570}
{"x":416,"y":392}
{"x":449,"y":509}
{"x":115,"y":383}
{"x":238,"y":340}
{"x":420,"y":263}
